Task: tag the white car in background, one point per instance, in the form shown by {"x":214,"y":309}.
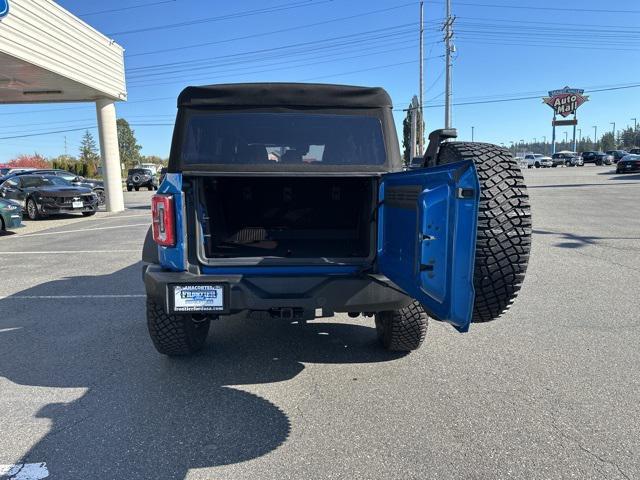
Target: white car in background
{"x":536,"y":160}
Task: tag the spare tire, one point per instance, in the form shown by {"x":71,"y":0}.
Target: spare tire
{"x":136,"y":178}
{"x":504,"y":226}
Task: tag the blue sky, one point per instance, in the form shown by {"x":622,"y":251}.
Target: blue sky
{"x":504,"y":50}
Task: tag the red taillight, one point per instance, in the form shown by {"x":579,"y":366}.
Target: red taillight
{"x":164,"y":223}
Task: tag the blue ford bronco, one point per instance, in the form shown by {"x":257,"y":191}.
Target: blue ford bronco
{"x":289,"y":201}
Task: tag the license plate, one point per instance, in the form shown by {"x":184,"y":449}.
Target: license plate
{"x":198,"y":298}
{"x":77,"y":205}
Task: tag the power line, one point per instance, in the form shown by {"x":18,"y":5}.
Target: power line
{"x":272,"y":32}
{"x":536,"y":97}
{"x":360,"y":70}
{"x":246,"y":13}
{"x":122,"y":9}
{"x":543,"y":45}
{"x":503,"y":100}
{"x":339,"y":39}
{"x":556,"y":9}
{"x":540,"y":25}
{"x":285,"y":65}
{"x":270,"y":60}
{"x":93,"y":127}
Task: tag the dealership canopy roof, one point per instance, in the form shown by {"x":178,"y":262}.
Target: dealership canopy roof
{"x":49,"y":55}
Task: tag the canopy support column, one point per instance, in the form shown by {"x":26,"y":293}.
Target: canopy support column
{"x":110,"y":153}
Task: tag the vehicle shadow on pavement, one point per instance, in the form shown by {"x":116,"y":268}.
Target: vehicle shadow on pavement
{"x":148,"y":416}
{"x":578,"y":241}
{"x":622,"y":176}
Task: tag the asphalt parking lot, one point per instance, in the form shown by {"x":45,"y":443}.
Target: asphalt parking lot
{"x":550,"y":391}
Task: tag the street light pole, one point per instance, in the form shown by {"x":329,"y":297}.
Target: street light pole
{"x":635,"y":124}
{"x":544,"y":141}
{"x":472,"y":133}
{"x":595,"y":136}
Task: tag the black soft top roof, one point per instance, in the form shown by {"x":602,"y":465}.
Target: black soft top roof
{"x":285,"y":95}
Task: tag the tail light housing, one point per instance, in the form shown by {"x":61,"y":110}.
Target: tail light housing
{"x":164,"y":220}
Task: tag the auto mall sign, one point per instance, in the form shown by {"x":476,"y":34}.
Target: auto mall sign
{"x":565,"y":101}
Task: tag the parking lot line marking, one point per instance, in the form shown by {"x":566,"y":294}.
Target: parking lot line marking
{"x":65,"y":297}
{"x":148,"y":224}
{"x":24,"y":471}
{"x":69,"y":252}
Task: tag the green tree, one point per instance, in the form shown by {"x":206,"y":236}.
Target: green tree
{"x":406,"y":138}
{"x":89,"y":157}
{"x":129,"y":148}
{"x":63,"y":162}
{"x":406,"y":135}
{"x":607,"y":142}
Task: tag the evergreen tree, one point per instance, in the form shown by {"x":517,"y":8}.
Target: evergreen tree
{"x":89,"y":157}
{"x":129,"y":148}
{"x":406,"y":138}
{"x":406,"y":135}
{"x":607,"y":142}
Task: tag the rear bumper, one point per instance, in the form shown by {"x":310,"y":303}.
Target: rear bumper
{"x":363,"y":293}
{"x":624,"y":169}
{"x":150,"y":183}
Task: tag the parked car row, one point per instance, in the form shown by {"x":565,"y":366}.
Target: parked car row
{"x":96,"y":186}
{"x":41,"y":195}
{"x":573,"y":159}
{"x":564,"y":158}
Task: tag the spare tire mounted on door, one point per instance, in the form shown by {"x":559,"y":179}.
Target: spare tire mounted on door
{"x":504,"y":226}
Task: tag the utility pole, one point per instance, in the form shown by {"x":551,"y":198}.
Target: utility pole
{"x":420,"y":127}
{"x":566,"y":137}
{"x":635,"y":124}
{"x":65,"y":145}
{"x":449,"y":49}
{"x":595,"y":136}
{"x":544,"y":146}
{"x":472,"y":133}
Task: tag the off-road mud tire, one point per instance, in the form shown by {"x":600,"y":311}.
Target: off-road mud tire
{"x":175,"y":335}
{"x":504,"y":226}
{"x":402,"y":330}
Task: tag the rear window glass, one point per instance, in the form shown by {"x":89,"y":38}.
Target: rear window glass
{"x":141,"y":171}
{"x":282,"y":138}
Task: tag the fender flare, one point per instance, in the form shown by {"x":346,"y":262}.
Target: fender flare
{"x":150,"y":249}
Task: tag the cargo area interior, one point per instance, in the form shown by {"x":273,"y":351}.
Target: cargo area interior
{"x":321,"y":218}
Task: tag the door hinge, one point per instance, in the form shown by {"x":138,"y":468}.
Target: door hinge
{"x":465,"y":193}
